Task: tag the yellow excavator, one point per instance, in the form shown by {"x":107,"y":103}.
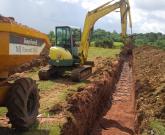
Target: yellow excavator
{"x":71,"y":50}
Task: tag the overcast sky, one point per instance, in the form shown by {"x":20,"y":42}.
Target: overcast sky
{"x":44,"y":15}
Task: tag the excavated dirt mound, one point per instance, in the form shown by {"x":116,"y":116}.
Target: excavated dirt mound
{"x":89,"y":104}
{"x":7,"y":19}
{"x":149,"y":73}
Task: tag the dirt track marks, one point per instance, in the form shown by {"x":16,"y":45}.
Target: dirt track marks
{"x":119,"y":120}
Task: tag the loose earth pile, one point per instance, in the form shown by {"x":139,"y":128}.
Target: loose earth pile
{"x":149,"y":73}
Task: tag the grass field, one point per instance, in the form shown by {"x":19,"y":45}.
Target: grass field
{"x":55,"y":92}
{"x":158,"y":127}
{"x":103,"y":52}
{"x":118,"y":44}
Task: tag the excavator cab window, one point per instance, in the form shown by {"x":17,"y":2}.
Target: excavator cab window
{"x":76,"y":37}
{"x":68,"y":38}
{"x":63,"y":37}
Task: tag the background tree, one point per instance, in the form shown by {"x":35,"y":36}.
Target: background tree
{"x":52,"y":37}
{"x":153,"y":39}
{"x":102,"y":38}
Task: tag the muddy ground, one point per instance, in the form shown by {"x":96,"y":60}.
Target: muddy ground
{"x":135,"y":106}
{"x":89,"y":103}
{"x":54,"y":111}
{"x":149,"y":75}
{"x":105,"y":103}
{"x":104,"y":98}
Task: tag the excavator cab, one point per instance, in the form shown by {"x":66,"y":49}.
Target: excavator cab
{"x":69,"y":38}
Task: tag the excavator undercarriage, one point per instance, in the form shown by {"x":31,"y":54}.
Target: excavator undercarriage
{"x":72,"y":46}
{"x":76,"y":73}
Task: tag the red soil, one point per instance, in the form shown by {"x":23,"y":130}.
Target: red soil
{"x":120,"y":119}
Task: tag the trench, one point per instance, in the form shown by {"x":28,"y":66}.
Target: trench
{"x":120,"y":118}
{"x":106,"y":106}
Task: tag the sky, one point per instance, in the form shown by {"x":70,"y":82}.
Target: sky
{"x":44,"y":15}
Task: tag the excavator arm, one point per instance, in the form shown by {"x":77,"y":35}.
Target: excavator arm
{"x":95,"y":15}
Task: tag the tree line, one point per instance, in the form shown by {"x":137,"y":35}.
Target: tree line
{"x":153,"y":39}
{"x":102,"y":38}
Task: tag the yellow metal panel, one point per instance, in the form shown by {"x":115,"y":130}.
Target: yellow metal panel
{"x":4,"y":43}
{"x":24,"y":30}
{"x":4,"y":74}
{"x":12,"y":60}
{"x":59,"y":53}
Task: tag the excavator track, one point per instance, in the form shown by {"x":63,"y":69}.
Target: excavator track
{"x":81,"y":73}
{"x":47,"y":72}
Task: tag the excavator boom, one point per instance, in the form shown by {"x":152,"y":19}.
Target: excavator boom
{"x":95,"y":15}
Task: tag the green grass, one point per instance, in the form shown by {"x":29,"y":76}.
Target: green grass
{"x":46,"y":85}
{"x":103,"y":52}
{"x":118,"y":44}
{"x":115,"y":44}
{"x":158,"y":127}
{"x":62,"y":95}
{"x":3,"y":111}
{"x":44,"y":129}
{"x":53,"y":129}
{"x":56,"y":93}
{"x":33,"y":73}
